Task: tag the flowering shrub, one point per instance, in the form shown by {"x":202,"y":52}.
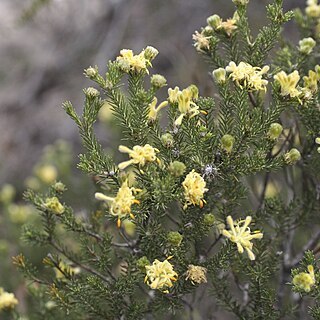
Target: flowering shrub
{"x":231,"y":173}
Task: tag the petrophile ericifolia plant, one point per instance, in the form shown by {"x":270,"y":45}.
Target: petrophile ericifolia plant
{"x":213,"y":215}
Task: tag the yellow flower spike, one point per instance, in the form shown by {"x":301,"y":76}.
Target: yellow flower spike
{"x":247,"y":76}
{"x":120,"y":206}
{"x":160,"y":275}
{"x":140,"y":155}
{"x":305,"y":281}
{"x":194,"y":189}
{"x":241,"y":235}
{"x":310,"y":82}
{"x":288,"y":83}
{"x":153,"y":111}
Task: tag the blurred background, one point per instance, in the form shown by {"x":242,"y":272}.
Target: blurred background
{"x":46,"y":44}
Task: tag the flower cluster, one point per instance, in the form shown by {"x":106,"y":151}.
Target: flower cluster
{"x":160,"y":275}
{"x":7,"y":300}
{"x":247,"y":76}
{"x":140,"y":155}
{"x":305,"y":281}
{"x":289,"y":84}
{"x":129,"y":62}
{"x":317,"y":141}
{"x":201,"y":40}
{"x":54,"y":205}
{"x":120,"y":206}
{"x":185,"y":100}
{"x":241,"y":235}
{"x":313,"y":9}
{"x":196,"y":274}
{"x":194,"y":189}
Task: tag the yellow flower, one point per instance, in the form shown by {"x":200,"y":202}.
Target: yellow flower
{"x":54,"y":205}
{"x":317,"y":140}
{"x":241,"y":235}
{"x":153,"y":111}
{"x":120,"y":206}
{"x":47,"y":173}
{"x":7,"y":300}
{"x":196,"y":274}
{"x":310,"y":82}
{"x":201,"y":42}
{"x":288,"y":83}
{"x":140,"y":155}
{"x":160,"y":275}
{"x":305,"y":281}
{"x":128,"y":61}
{"x":230,"y":25}
{"x":194,"y":189}
{"x":185,"y":102}
{"x":313,"y":9}
{"x":247,"y":76}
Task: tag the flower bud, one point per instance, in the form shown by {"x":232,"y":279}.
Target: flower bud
{"x":142,"y":263}
{"x":177,"y":168}
{"x":47,"y":173}
{"x":158,"y":81}
{"x":209,"y":219}
{"x":194,"y":91}
{"x":167,"y":140}
{"x":150,"y":53}
{"x":227,"y":142}
{"x":174,"y":238}
{"x":91,"y":72}
{"x":59,"y":187}
{"x":275,"y":131}
{"x":292,"y":156}
{"x":219,"y":75}
{"x":214,"y":21}
{"x":91,"y":92}
{"x":54,"y":205}
{"x":306,"y":45}
{"x":240,"y":2}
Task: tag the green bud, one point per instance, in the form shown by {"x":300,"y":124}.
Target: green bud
{"x":177,"y":168}
{"x":54,"y":205}
{"x":209,"y":219}
{"x":227,"y":142}
{"x":292,"y":156}
{"x":219,"y":75}
{"x":59,"y":187}
{"x":150,"y":53}
{"x":167,"y":140}
{"x":91,"y":72}
{"x":158,"y":81}
{"x":240,"y":2}
{"x":306,"y":45}
{"x":142,"y":263}
{"x":214,"y":21}
{"x":174,"y":238}
{"x":275,"y":131}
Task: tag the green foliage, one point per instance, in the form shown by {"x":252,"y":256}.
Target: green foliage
{"x":167,"y":206}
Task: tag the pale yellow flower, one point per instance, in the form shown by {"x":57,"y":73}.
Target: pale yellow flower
{"x":7,"y":300}
{"x":247,"y":76}
{"x":54,"y":205}
{"x":241,"y":235}
{"x":196,"y":274}
{"x":317,"y":140}
{"x":160,"y":275}
{"x":194,"y":189}
{"x":120,"y":206}
{"x":310,"y":82}
{"x":288,"y":83}
{"x":154,"y":110}
{"x":313,"y":9}
{"x":230,"y":25}
{"x":201,"y":42}
{"x":305,"y":281}
{"x":128,"y":61}
{"x":186,"y":105}
{"x":140,"y":155}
